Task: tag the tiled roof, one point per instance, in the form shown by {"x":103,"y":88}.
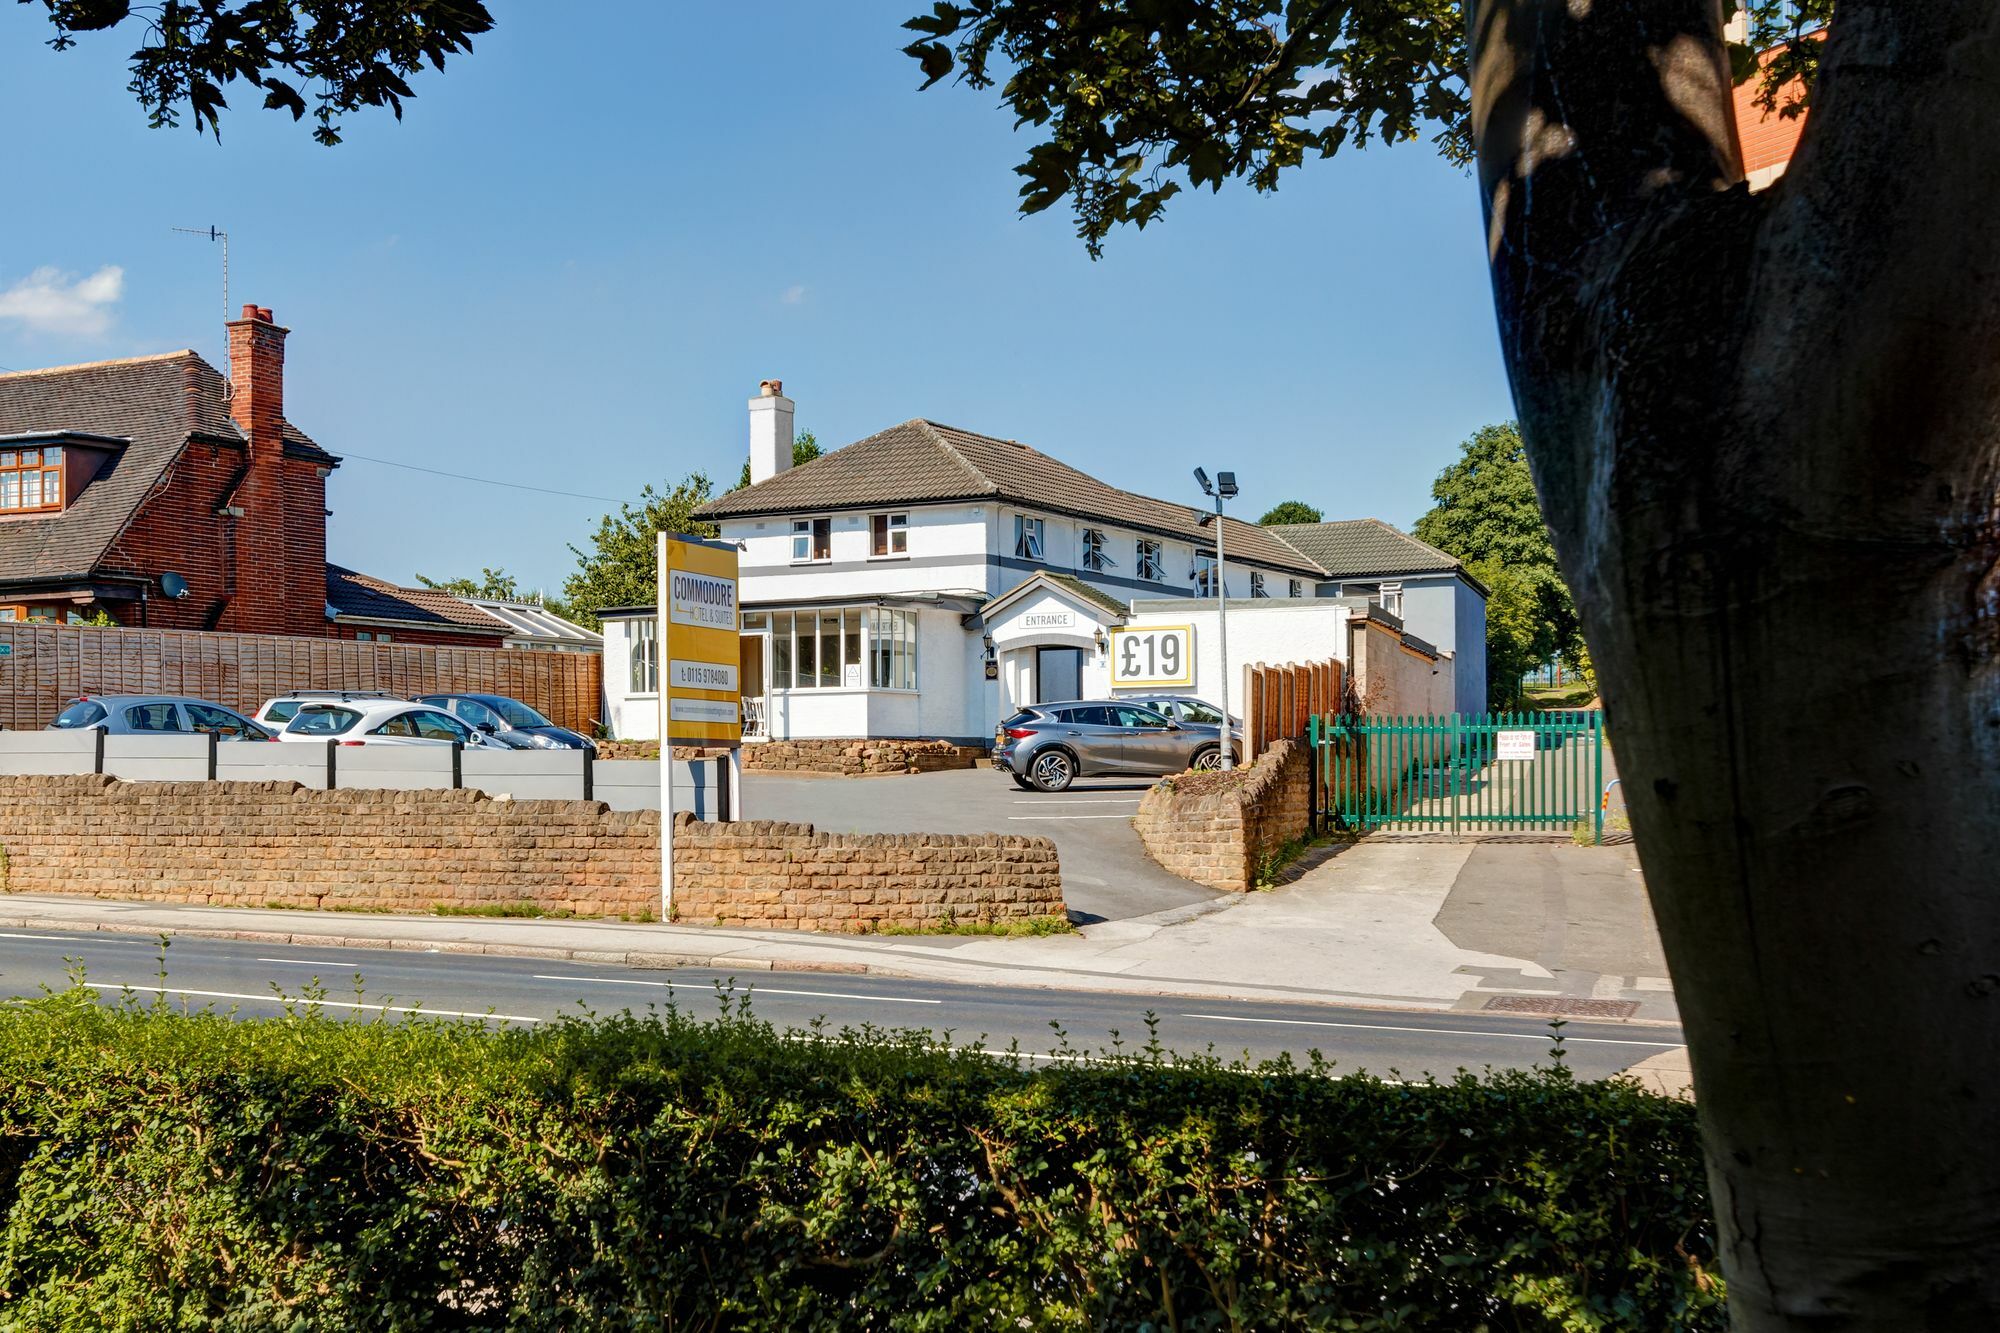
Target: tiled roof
{"x":154,"y":403}
{"x":923,"y":461}
{"x":358,"y":595}
{"x":1361,"y":546}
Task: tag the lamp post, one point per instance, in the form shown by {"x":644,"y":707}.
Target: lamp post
{"x":1223,"y":489}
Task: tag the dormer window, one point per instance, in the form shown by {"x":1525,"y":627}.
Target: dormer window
{"x":31,"y":480}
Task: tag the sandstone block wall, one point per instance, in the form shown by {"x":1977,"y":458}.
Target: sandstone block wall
{"x":787,"y":876}
{"x":859,"y":758}
{"x":1219,"y":828}
{"x":253,"y":844}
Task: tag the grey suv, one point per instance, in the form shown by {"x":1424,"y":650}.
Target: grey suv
{"x":1046,"y":747}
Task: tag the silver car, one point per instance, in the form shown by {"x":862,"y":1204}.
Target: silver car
{"x":156,"y":715}
{"x":1046,"y":747}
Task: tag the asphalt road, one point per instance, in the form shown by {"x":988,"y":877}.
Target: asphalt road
{"x":249,"y":978}
{"x":1107,"y":875}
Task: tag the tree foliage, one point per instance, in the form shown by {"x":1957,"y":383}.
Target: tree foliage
{"x":621,"y":568}
{"x":1291,"y":511}
{"x":1133,"y":99}
{"x":805,"y":448}
{"x":1486,"y":514}
{"x":494,"y":584}
{"x":336,"y":55}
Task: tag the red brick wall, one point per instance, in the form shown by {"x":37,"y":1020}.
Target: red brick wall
{"x":305,"y":548}
{"x":264,"y":600}
{"x":177,"y":530}
{"x":1767,"y":138}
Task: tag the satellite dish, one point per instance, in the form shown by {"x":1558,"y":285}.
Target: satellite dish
{"x":173,"y":585}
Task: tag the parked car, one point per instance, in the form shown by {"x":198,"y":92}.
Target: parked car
{"x":156,"y":715}
{"x":509,"y":721}
{"x":1046,"y":747}
{"x":1184,"y":708}
{"x":379,"y":722}
{"x":275,"y":713}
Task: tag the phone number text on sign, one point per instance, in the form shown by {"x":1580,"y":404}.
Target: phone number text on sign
{"x":699,"y":599}
{"x":1153,"y":655}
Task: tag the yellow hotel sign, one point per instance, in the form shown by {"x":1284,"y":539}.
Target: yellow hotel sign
{"x":700,"y":696}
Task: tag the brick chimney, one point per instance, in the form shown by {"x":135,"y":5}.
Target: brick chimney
{"x":257,"y":375}
{"x":770,"y":431}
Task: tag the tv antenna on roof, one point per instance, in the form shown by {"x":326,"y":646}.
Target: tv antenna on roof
{"x":215,"y":234}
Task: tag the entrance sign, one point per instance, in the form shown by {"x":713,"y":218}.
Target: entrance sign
{"x":1514,"y":745}
{"x":700,"y":703}
{"x":698,"y":609}
{"x":1152,"y":655}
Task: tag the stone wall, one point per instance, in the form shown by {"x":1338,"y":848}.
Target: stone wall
{"x":1219,"y":829}
{"x":859,"y":758}
{"x":786,"y":876}
{"x":256,"y":844}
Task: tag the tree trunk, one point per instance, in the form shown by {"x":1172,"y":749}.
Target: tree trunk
{"x":1766,"y":432}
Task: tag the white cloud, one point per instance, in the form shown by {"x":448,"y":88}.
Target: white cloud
{"x":793,"y":294}
{"x":49,"y":301}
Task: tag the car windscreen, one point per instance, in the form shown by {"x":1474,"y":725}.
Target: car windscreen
{"x":1192,"y":711}
{"x":323,"y":721}
{"x":82,"y":713}
{"x":519,"y":714}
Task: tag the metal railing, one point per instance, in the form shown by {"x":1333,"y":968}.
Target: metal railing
{"x":1462,"y":773}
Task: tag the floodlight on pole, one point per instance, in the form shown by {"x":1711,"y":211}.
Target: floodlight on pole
{"x":1223,"y":489}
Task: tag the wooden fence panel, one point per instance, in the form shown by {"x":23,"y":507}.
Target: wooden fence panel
{"x":1279,"y":701}
{"x":43,"y":667}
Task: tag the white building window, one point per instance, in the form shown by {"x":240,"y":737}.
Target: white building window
{"x":812,"y":539}
{"x":1028,"y":535}
{"x":1257,"y":588}
{"x":890,"y":534}
{"x":642,"y":651}
{"x":849,"y":647}
{"x":1391,"y":599}
{"x":1204,"y":574}
{"x":1295,"y":588}
{"x":1094,"y":554}
{"x":1151,"y":567}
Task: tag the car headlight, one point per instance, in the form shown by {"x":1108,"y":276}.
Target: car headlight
{"x":546,"y":742}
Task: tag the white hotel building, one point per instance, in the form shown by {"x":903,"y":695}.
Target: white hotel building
{"x":927,"y":581}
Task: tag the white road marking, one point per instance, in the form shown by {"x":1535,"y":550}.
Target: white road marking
{"x":325,"y":1004}
{"x":695,"y":988}
{"x":59,"y":939}
{"x":1443,"y":1032}
{"x":309,"y":962}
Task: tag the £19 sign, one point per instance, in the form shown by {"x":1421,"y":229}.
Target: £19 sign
{"x":1152,"y":655}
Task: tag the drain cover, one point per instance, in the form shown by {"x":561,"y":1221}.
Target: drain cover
{"x":1563,"y":1006}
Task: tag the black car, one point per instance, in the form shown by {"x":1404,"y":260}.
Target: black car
{"x":509,"y":721}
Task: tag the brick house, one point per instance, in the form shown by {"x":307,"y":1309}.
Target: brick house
{"x":158,"y":492}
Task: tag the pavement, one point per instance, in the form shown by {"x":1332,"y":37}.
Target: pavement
{"x":1537,"y":930}
{"x":1107,"y":873}
{"x":251,"y":978}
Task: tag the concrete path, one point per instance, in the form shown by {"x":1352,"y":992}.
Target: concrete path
{"x":1384,"y":922}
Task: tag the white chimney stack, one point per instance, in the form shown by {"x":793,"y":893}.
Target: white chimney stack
{"x":770,"y":431}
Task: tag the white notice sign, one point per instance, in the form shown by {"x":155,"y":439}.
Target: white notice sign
{"x":1515,"y":745}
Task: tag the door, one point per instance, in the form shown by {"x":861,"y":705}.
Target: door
{"x":1147,"y":744}
{"x":1092,"y":734}
{"x":1058,"y":674}
{"x":750,"y":678}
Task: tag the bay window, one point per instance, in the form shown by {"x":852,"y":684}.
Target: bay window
{"x":847,"y":648}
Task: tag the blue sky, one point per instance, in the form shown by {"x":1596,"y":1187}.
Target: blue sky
{"x":573,"y":260}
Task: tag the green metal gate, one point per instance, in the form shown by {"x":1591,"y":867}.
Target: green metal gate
{"x":1461,"y":774}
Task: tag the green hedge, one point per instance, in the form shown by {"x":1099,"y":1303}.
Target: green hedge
{"x":161,"y":1171}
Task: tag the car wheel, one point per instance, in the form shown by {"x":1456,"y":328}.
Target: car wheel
{"x":1207,"y":759}
{"x":1021,"y":782}
{"x":1052,"y":770}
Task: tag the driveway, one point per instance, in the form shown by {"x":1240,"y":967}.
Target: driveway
{"x":1107,"y":875}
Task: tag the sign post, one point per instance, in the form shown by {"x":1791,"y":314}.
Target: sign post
{"x":701,"y":702}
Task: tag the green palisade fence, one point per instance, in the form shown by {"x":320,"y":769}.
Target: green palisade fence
{"x":1463,"y":774}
